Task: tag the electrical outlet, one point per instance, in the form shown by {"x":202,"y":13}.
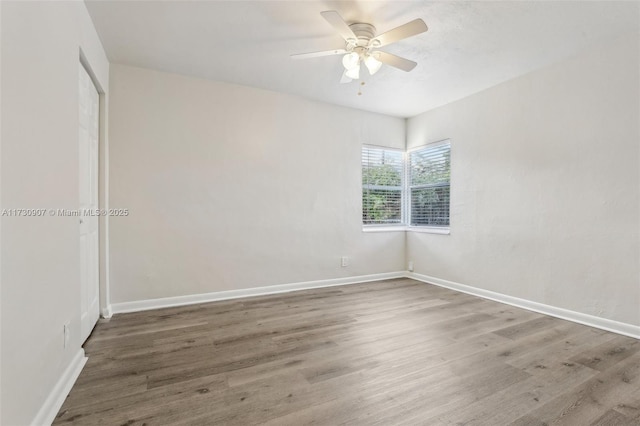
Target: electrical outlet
{"x":67,"y":334}
{"x":344,"y":261}
{"x":410,"y":266}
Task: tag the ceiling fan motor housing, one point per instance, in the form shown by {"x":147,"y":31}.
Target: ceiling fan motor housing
{"x":364,"y":32}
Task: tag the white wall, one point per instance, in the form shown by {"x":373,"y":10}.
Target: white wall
{"x":39,"y":169}
{"x":545,"y":186}
{"x":231,"y":187}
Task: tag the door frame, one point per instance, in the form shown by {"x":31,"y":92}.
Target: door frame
{"x":104,"y":299}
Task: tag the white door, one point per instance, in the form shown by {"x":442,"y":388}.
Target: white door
{"x":89,"y":273}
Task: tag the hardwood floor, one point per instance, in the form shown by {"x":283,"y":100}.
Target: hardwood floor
{"x":394,"y":352}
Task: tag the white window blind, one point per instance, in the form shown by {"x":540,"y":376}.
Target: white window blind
{"x":382,"y":183}
{"x":429,"y":188}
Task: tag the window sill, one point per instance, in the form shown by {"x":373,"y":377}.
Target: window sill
{"x":420,"y":229}
{"x":374,"y":228}
{"x":429,"y":230}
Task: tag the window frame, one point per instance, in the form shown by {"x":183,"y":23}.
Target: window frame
{"x":445,"y":229}
{"x":405,"y":204}
{"x":384,"y":227}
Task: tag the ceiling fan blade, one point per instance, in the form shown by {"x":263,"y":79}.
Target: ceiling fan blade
{"x":417,"y":26}
{"x":339,"y":24}
{"x":344,"y":78}
{"x":395,"y":61}
{"x":318,"y":54}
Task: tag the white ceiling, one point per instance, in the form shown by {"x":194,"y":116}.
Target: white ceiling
{"x":469,"y":46}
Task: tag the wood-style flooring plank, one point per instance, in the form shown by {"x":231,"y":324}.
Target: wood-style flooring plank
{"x":394,"y":352}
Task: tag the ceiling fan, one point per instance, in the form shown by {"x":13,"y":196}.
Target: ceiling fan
{"x":361,"y":44}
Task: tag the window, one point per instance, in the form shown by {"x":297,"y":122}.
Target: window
{"x":429,"y":173}
{"x":412,"y":192}
{"x":382,"y":183}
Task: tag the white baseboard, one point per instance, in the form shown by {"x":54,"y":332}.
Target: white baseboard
{"x":58,"y":394}
{"x":581,"y":318}
{"x":166,"y":302}
{"x":590,"y":320}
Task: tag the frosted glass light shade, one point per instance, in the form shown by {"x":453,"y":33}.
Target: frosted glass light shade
{"x":353,"y":73}
{"x":372,"y":64}
{"x":351,"y":60}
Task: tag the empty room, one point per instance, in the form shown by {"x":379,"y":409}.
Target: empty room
{"x":319,"y":212}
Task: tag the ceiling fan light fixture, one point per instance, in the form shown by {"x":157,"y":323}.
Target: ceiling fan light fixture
{"x":351,"y":60}
{"x":361,"y":41}
{"x":372,"y":64}
{"x":353,"y":73}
